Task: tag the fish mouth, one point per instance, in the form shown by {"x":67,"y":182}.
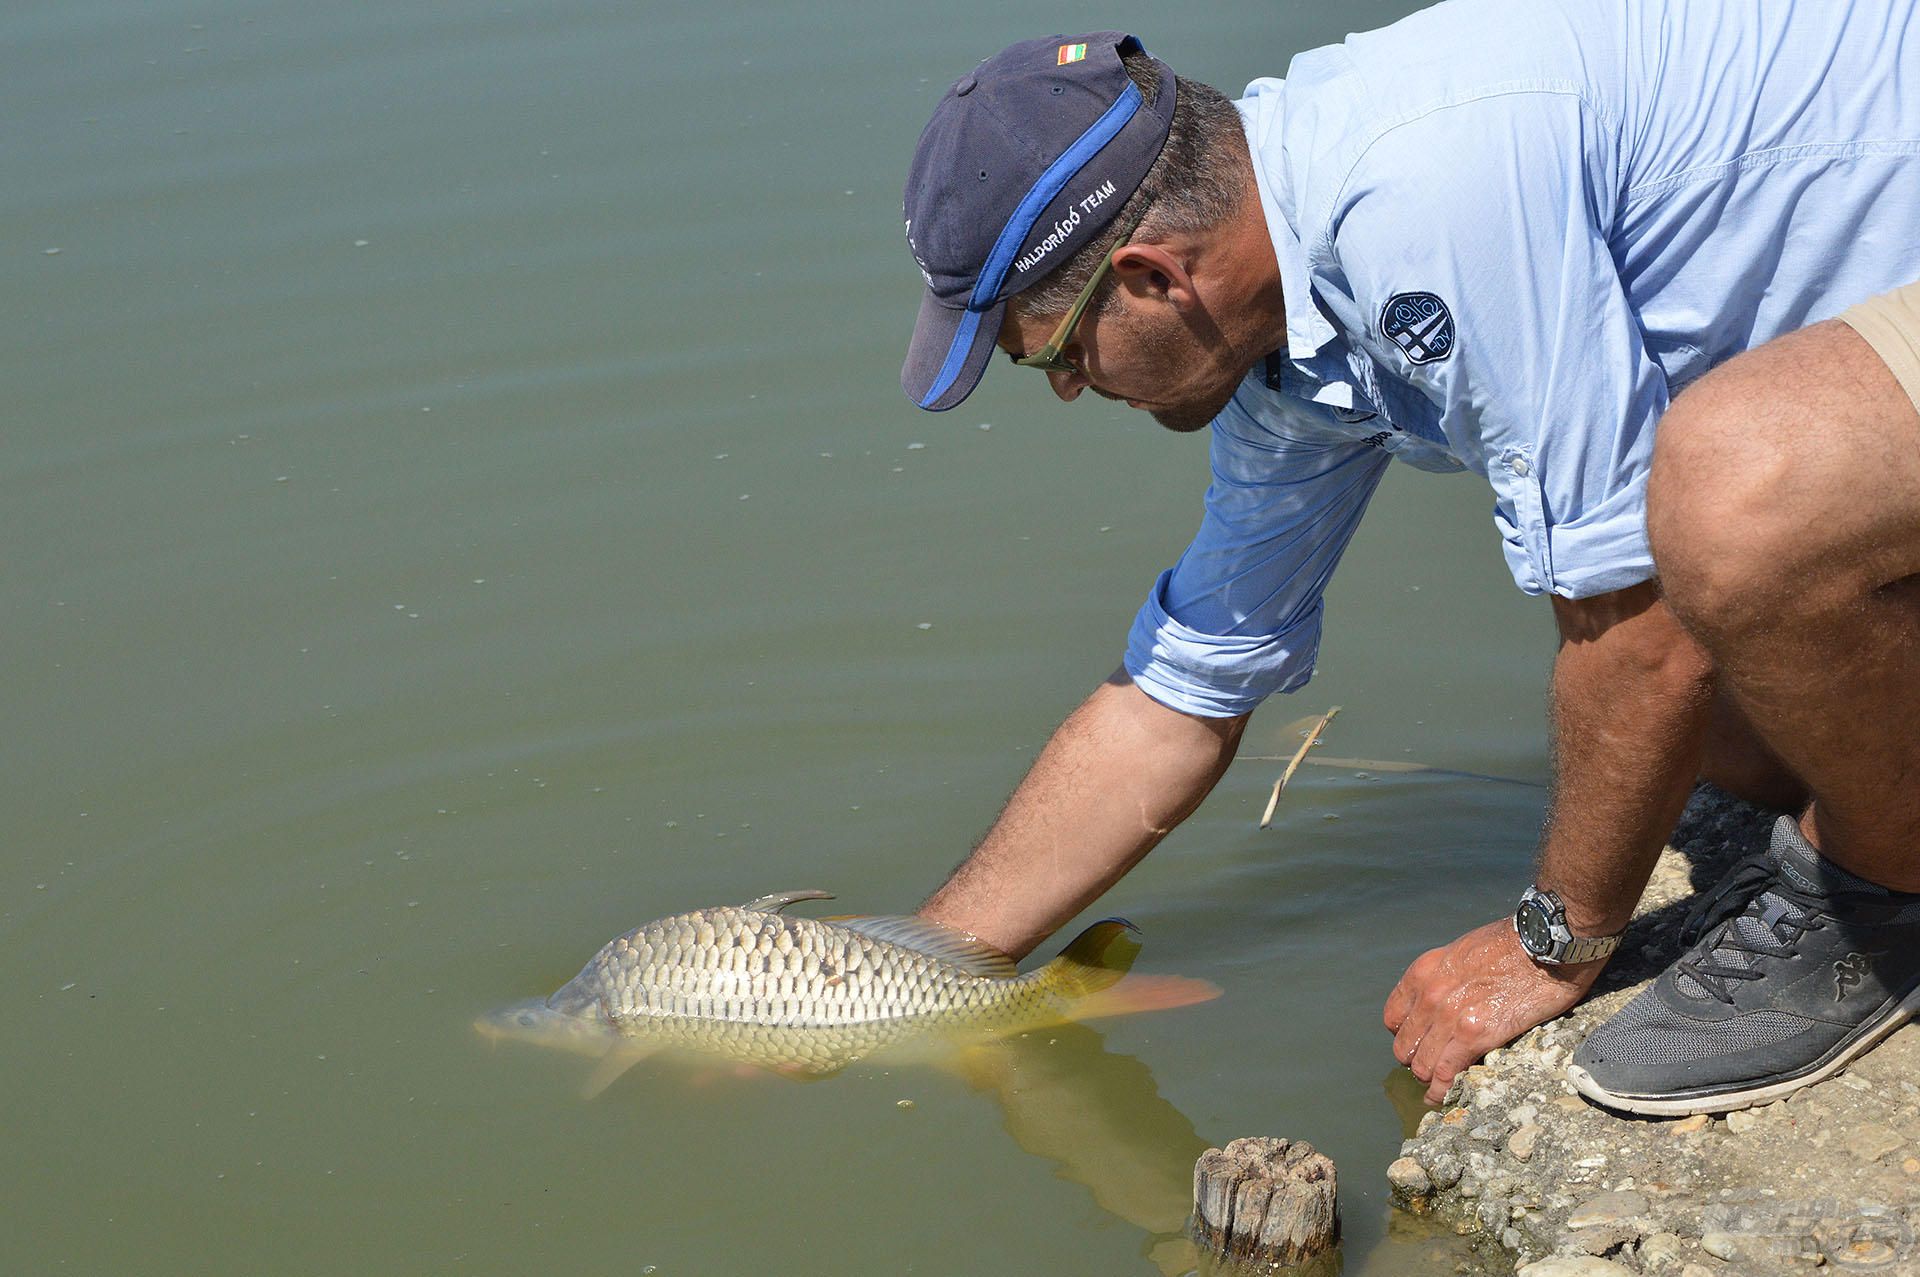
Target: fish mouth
{"x":534,"y":1021}
{"x":521,"y":1020}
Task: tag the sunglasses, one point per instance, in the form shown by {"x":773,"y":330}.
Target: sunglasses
{"x":1049,"y":357}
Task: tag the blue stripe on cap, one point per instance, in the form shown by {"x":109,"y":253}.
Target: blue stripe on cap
{"x":1020,"y":225}
{"x":956,"y":357}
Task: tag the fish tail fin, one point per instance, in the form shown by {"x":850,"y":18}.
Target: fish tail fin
{"x":1091,"y":975}
{"x":1143,"y":993}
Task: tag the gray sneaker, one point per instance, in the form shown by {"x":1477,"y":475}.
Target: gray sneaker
{"x":1794,"y":970}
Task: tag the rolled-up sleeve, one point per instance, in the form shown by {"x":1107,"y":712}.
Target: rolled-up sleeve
{"x":1496,"y":208}
{"x":1238,"y":617}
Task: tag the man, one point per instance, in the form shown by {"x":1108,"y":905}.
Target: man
{"x":1503,"y":237}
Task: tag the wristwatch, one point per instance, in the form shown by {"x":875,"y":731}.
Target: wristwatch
{"x":1540,"y":920}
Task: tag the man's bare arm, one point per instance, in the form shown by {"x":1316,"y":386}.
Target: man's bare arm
{"x":1631,"y":698}
{"x":1114,"y":780}
{"x":1631,"y":695}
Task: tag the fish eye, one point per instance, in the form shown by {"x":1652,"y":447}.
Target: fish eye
{"x":526,"y":1018}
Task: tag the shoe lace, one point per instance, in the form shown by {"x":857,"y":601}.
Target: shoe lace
{"x":1727,"y":897}
{"x":1783,"y":912}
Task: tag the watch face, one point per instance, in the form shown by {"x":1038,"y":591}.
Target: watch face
{"x":1530,"y":920}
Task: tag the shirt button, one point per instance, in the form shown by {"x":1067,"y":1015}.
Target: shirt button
{"x":1519,"y":467}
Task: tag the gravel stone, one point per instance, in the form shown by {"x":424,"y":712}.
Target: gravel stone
{"x":1720,"y":1245}
{"x":1608,"y":1208}
{"x":1602,"y":1239}
{"x":1662,"y":1253}
{"x":1521,"y":1142}
{"x":1874,"y":1141}
{"x":1409,"y":1177}
{"x":1575,"y":1266}
{"x":1444,"y":1169}
{"x":1740,"y":1121}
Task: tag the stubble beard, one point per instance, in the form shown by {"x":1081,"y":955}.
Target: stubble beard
{"x":1186,"y":418}
{"x":1198,"y":413}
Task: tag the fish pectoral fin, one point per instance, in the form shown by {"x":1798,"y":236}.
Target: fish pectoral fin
{"x":620,"y":1057}
{"x":781,"y":899}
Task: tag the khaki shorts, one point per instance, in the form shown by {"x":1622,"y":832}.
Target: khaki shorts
{"x":1891,"y":325}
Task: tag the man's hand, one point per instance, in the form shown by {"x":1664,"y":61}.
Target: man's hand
{"x":1460,"y":1001}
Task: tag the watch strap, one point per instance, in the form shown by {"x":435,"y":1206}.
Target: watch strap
{"x":1589,"y":948}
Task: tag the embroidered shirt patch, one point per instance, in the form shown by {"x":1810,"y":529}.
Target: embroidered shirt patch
{"x":1420,"y":324}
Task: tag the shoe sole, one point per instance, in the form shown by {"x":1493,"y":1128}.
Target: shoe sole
{"x":1726,"y":1101}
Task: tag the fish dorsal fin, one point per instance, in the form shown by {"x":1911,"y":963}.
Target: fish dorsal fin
{"x":781,"y":899}
{"x":975,"y":957}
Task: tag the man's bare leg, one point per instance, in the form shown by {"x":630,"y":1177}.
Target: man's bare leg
{"x":1784,"y":511}
{"x":1742,"y":764}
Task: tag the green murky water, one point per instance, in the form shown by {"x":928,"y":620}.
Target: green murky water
{"x":458,"y":505}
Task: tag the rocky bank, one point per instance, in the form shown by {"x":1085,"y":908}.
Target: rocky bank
{"x":1553,"y":1186}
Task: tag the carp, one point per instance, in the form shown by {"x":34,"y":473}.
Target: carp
{"x":809,"y":996}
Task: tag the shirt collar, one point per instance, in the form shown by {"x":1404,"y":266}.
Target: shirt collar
{"x":1308,"y":332}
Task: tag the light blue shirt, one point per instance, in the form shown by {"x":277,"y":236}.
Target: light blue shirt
{"x":1508,"y":232}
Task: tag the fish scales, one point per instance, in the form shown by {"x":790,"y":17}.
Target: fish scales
{"x":677,"y":984}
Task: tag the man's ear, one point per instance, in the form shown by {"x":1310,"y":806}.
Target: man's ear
{"x":1156,"y":271}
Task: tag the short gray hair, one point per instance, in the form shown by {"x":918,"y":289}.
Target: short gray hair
{"x":1198,"y":182}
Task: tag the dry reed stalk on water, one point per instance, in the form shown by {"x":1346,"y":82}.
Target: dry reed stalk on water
{"x":1293,"y":765}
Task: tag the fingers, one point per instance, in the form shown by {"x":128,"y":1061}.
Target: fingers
{"x":1448,"y":1057}
{"x":1414,"y":1030}
{"x":1406,"y":993}
{"x":1412,"y":1011}
{"x":1399,"y":1002}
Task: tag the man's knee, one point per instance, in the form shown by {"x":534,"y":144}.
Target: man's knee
{"x":1754,"y":499}
{"x":1713,"y":518}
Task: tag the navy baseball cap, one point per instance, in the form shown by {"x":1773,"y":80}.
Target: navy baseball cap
{"x":1026,"y":158}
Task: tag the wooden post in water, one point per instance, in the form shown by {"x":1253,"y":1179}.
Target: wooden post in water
{"x":1265,"y":1199}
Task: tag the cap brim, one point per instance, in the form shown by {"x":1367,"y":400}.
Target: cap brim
{"x":948,"y":353}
